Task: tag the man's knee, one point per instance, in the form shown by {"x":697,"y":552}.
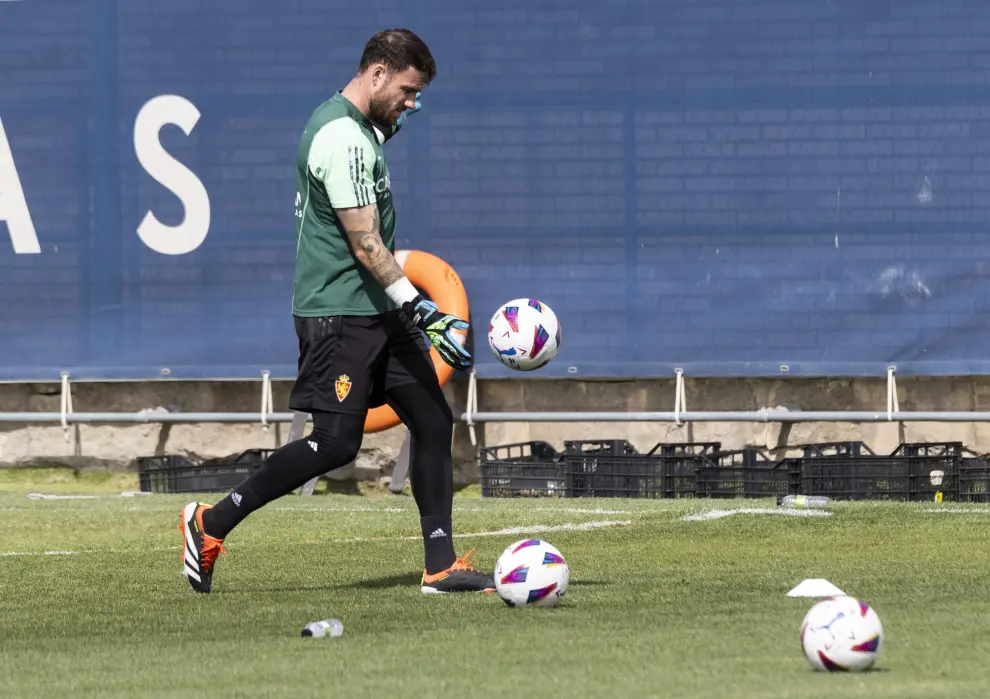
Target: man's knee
{"x":438,"y":431}
{"x":336,"y":438}
{"x":424,"y":410}
{"x":447,"y":417}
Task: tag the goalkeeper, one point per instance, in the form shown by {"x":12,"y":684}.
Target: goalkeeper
{"x":358,"y":320}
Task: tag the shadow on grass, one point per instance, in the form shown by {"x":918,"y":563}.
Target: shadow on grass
{"x":407,"y":579}
{"x":402,"y":580}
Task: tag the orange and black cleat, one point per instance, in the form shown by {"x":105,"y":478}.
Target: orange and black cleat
{"x":460,"y":577}
{"x":199,"y":549}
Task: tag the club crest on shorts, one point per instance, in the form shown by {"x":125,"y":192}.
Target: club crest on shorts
{"x":343,"y":386}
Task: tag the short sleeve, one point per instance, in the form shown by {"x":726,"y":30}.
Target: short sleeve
{"x":342,"y":157}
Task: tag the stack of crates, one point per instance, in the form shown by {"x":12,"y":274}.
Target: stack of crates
{"x":174,"y":473}
{"x":974,"y":479}
{"x":912,"y":472}
{"x":615,"y":469}
{"x":592,"y":469}
{"x":921,"y":471}
{"x":746,"y":473}
{"x":525,"y":469}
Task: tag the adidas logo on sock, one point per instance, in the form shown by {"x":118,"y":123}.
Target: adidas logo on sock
{"x":438,"y":534}
{"x":236,"y":497}
{"x":313,"y":445}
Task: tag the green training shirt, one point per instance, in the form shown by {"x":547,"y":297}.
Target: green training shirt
{"x":340,"y":164}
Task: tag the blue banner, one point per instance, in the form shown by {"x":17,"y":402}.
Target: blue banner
{"x":735,"y":189}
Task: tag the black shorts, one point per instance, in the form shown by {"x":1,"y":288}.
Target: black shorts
{"x":348,"y":363}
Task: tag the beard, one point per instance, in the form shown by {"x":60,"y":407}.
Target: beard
{"x":381,"y":112}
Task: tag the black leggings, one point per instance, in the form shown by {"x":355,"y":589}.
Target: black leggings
{"x":425,"y":412}
{"x":335,"y":441}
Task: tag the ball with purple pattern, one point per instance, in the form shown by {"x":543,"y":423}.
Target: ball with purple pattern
{"x":841,"y":634}
{"x":531,"y":573}
{"x":524,"y":334}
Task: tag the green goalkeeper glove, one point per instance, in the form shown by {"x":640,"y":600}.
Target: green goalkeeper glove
{"x":439,"y":328}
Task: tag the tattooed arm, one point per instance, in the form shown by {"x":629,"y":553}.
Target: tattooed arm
{"x":342,"y":158}
{"x":344,"y":164}
{"x":446,"y":332}
{"x":362,"y":226}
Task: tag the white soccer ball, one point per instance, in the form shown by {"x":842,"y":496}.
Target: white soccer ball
{"x":531,"y":573}
{"x":524,"y":334}
{"x":841,"y":634}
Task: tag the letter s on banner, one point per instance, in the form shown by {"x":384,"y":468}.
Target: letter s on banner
{"x":13,"y":206}
{"x":173,"y":175}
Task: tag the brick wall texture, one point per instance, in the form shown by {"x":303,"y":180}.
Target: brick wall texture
{"x":731,"y":188}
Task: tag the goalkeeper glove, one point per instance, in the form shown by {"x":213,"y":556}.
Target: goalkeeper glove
{"x":439,"y":328}
{"x":409,"y":112}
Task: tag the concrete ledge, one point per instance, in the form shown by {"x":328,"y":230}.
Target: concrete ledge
{"x":118,"y":446}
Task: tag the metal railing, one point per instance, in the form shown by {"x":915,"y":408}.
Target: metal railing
{"x":471,"y":416}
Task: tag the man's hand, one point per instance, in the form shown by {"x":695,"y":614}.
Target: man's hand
{"x":409,"y":112}
{"x":439,"y":328}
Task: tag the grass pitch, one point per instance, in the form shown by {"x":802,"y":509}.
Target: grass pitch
{"x":93,"y":604}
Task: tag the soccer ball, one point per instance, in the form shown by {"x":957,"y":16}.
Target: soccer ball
{"x":841,"y":634}
{"x":531,"y":573}
{"x":524,"y":334}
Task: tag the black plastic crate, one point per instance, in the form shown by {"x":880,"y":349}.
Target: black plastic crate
{"x":526,"y":469}
{"x":599,"y":447}
{"x":930,"y":449}
{"x":615,"y":469}
{"x":680,"y":463}
{"x":933,"y":468}
{"x":745,"y":473}
{"x":867,"y":478}
{"x":610,"y":470}
{"x":912,"y":472}
{"x":974,"y":480}
{"x":824,"y":449}
{"x":687,"y":449}
{"x":173,"y":473}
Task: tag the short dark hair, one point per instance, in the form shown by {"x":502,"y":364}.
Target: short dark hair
{"x":399,"y":49}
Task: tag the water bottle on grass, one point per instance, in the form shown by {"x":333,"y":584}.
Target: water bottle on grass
{"x":320,"y":629}
{"x":802,"y":501}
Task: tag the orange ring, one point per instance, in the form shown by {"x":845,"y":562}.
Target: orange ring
{"x":440,"y":282}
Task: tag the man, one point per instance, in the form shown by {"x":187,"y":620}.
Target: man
{"x":358,"y":320}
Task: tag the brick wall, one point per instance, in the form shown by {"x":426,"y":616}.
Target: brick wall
{"x":718,"y":185}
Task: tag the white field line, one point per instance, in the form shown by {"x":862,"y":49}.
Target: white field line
{"x":44,"y":496}
{"x":292,"y":508}
{"x":376,"y":510}
{"x":509,"y":531}
{"x":719,"y":514}
{"x":960,"y":511}
{"x":402,"y":510}
{"x":587,"y":511}
{"x":379,"y":510}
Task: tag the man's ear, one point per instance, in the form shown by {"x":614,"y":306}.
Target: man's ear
{"x":379,"y":73}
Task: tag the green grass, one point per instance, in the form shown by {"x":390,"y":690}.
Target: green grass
{"x":659,"y":607}
{"x":66,"y":480}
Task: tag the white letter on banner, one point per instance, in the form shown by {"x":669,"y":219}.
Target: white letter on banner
{"x":173,"y":175}
{"x":13,"y":206}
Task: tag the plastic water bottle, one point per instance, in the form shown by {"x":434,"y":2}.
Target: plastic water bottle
{"x":328,"y":627}
{"x":802,"y":500}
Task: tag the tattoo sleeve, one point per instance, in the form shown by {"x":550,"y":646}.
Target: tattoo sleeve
{"x":363,"y":228}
